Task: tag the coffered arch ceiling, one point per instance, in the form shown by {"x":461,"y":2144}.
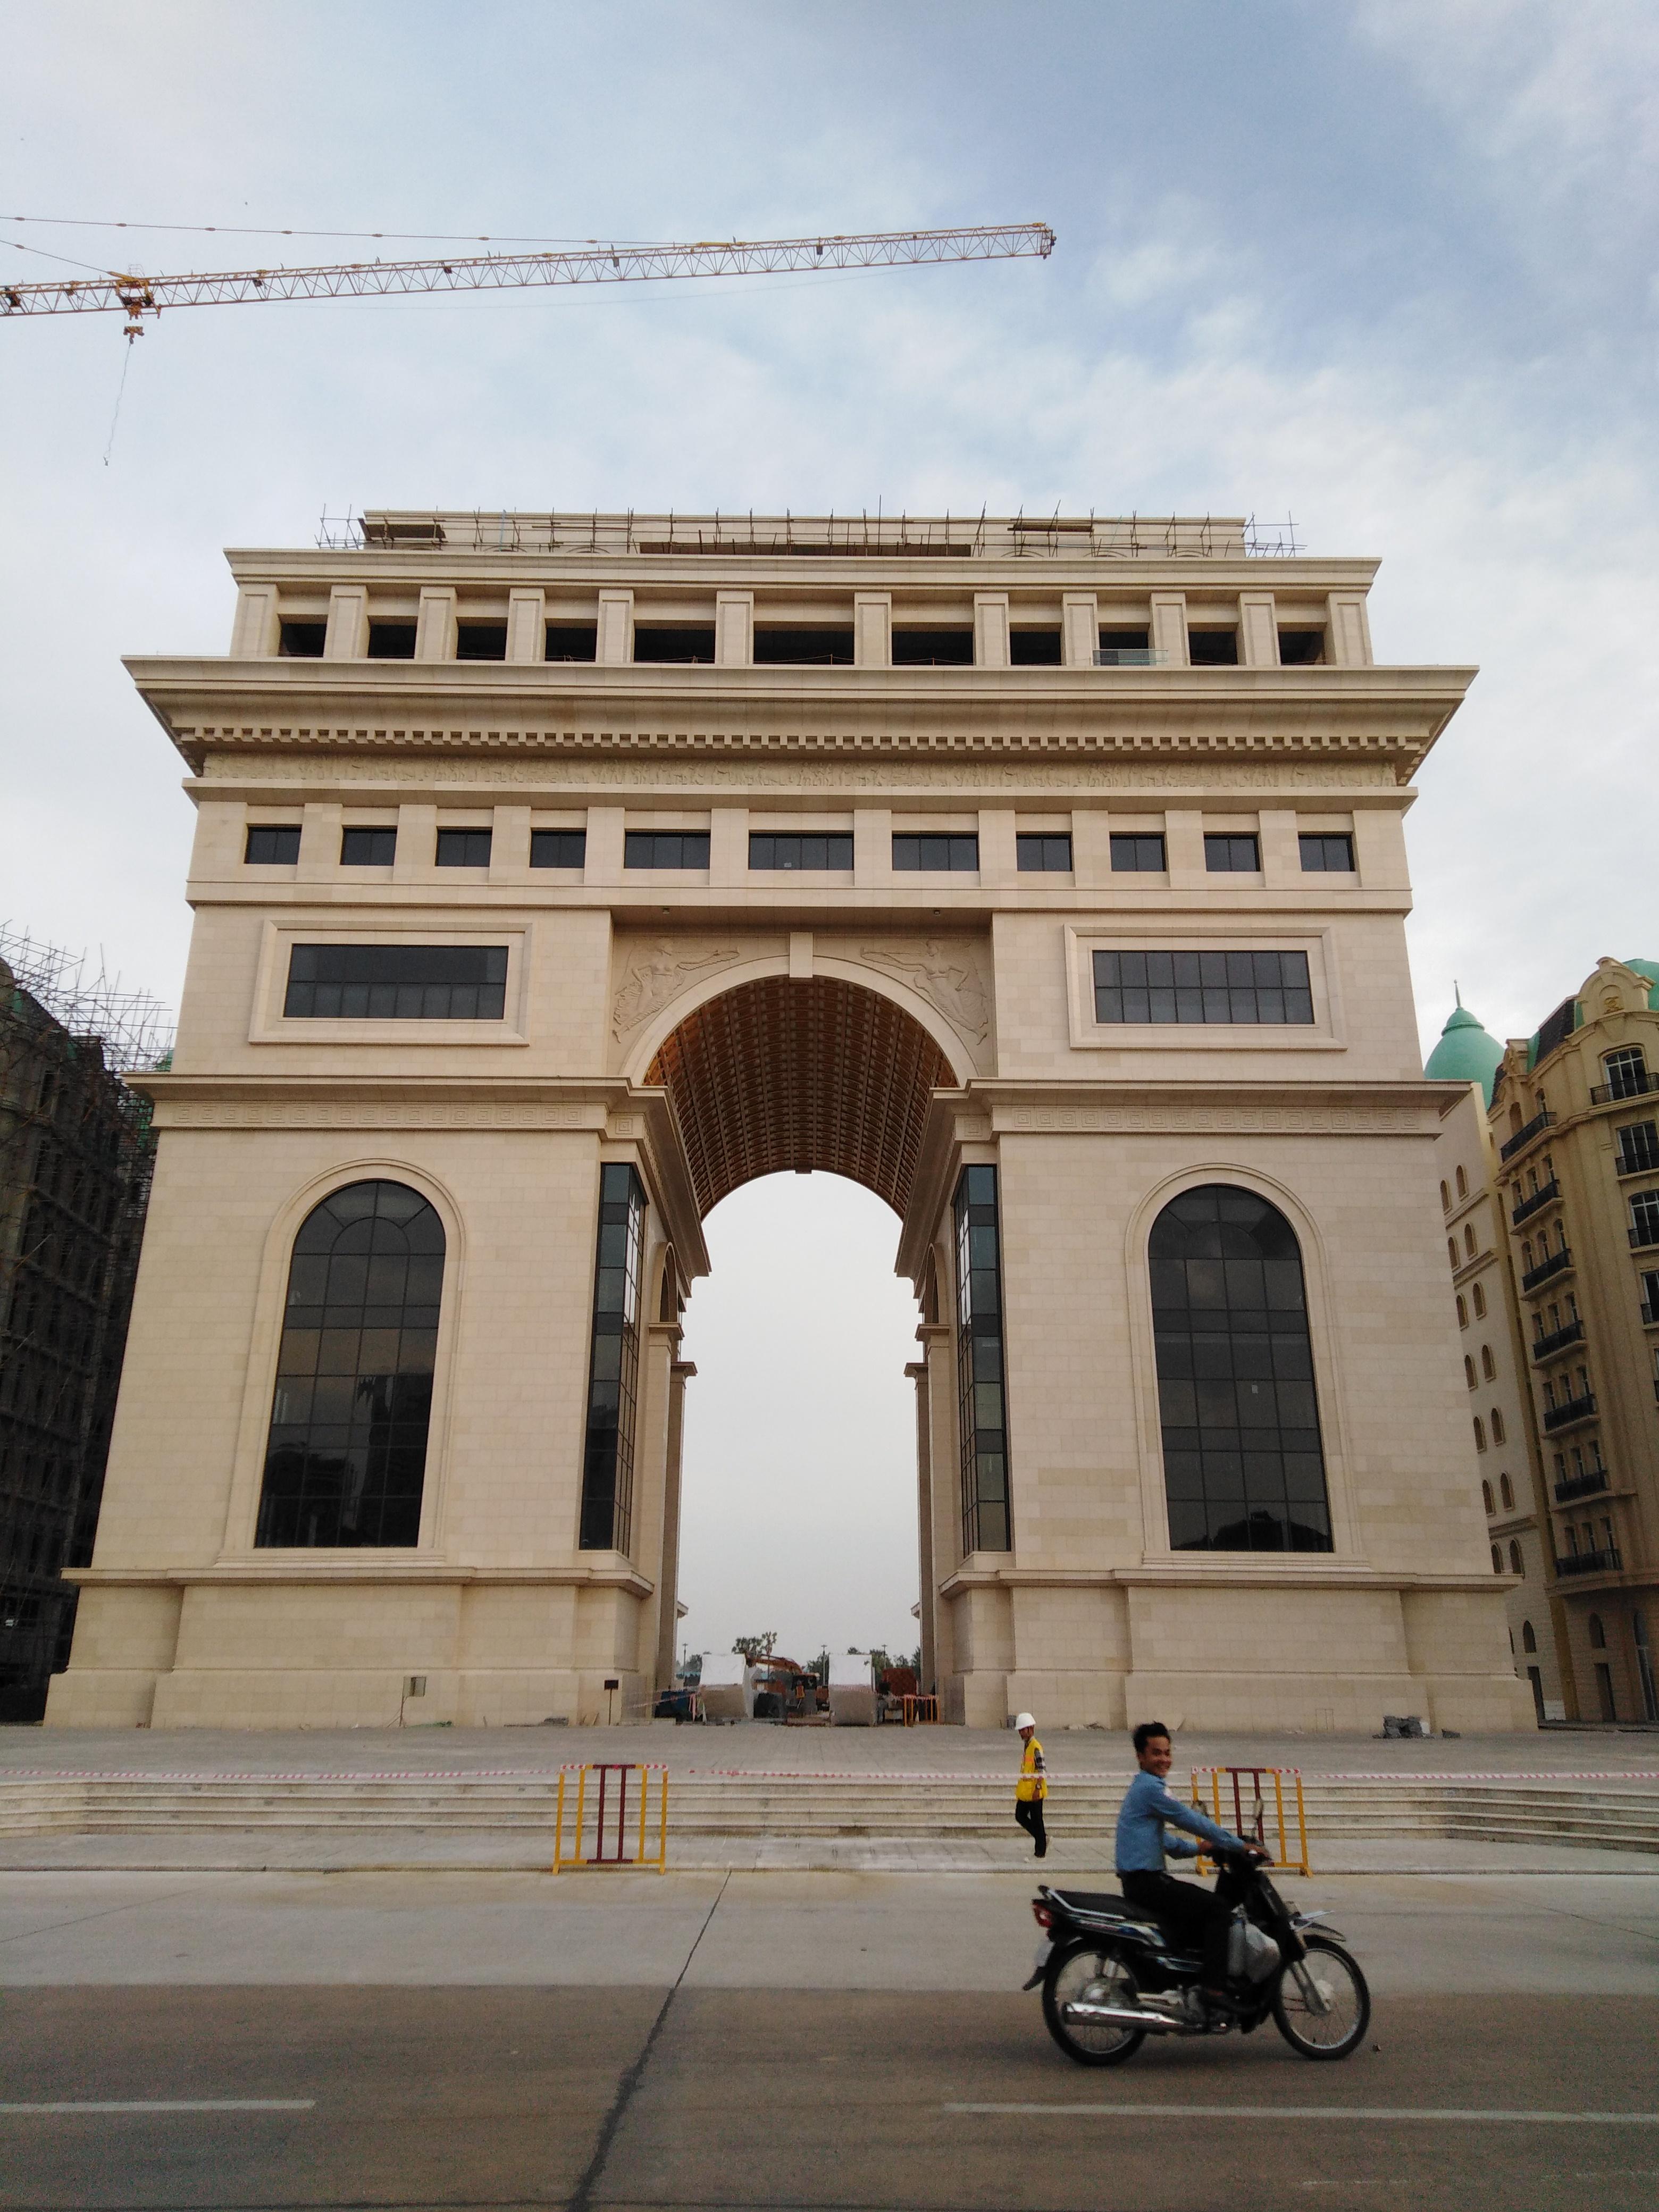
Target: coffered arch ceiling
{"x":797,"y":1073}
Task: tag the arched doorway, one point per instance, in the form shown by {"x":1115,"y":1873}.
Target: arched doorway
{"x":799,"y":1502}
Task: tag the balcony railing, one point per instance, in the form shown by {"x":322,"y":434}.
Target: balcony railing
{"x":1524,"y":1136}
{"x":1131,"y":656}
{"x":1536,"y":1203}
{"x":1649,"y":1314}
{"x":1557,"y":1264}
{"x":1580,"y":1486}
{"x":1645,"y":1233}
{"x":1575,"y":1409}
{"x":1627,"y":1164}
{"x":1635,"y":1085}
{"x":1590,"y":1563}
{"x":1545,"y":1347}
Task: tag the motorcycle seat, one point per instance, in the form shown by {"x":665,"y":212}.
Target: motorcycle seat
{"x":1098,"y":1903}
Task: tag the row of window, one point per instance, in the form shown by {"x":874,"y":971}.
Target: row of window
{"x":346,"y":1451}
{"x":819,"y":645}
{"x":278,"y":845}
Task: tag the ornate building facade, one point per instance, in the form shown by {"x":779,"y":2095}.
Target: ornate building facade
{"x":554,"y":877}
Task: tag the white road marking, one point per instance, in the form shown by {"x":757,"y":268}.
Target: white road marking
{"x":177,"y":2105}
{"x":1413,"y":2112}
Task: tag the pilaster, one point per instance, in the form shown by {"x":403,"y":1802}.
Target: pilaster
{"x":526,"y":625}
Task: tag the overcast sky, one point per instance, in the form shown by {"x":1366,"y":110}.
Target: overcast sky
{"x":1389,"y":267}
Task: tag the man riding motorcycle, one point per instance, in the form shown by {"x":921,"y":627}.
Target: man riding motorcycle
{"x":1192,"y":1915}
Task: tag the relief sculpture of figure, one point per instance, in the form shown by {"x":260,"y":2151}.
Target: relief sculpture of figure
{"x":946,"y":975}
{"x":655,"y":973}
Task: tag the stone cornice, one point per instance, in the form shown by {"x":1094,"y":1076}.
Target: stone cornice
{"x":287,"y":1570}
{"x":264,"y":706}
{"x":1231,"y":1571}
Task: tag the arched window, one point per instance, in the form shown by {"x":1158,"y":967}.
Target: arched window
{"x":1485,"y":1496}
{"x":346,"y":1459}
{"x":1468,"y":1240}
{"x":1497,"y":1560}
{"x":1517,"y":1567}
{"x":1479,"y":1303}
{"x":1505,"y":1491}
{"x":1445,"y":1199}
{"x":1528,"y":1641}
{"x":1598,"y":1635}
{"x":1480,"y":1434}
{"x":1243,"y":1465}
{"x":1451,"y":1250}
{"x":1462,"y":1312}
{"x":1497,"y":1426}
{"x":1488,"y":1364}
{"x":1462,"y":1184}
{"x":1468,"y":1370}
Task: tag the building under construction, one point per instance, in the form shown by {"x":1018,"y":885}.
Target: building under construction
{"x":75,"y":1152}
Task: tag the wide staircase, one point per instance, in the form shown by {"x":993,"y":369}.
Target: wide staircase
{"x":960,"y":1807}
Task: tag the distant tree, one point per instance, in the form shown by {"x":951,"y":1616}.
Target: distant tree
{"x":820,"y":1666}
{"x":879,"y":1661}
{"x":756,"y":1647}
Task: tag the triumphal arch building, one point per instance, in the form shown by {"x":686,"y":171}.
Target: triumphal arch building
{"x":555,"y":876}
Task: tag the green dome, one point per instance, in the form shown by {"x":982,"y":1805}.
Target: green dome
{"x":1465,"y":1054}
{"x":1650,"y":969}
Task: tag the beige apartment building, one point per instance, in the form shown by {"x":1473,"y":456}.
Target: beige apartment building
{"x":1575,"y":1117}
{"x":555,"y":876}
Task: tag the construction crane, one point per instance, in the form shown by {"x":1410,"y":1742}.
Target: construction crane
{"x":137,"y":296}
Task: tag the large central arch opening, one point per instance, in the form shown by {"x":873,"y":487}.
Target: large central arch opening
{"x":798,"y":1498}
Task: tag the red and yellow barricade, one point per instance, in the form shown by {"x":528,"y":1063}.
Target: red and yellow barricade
{"x":595,"y":1825}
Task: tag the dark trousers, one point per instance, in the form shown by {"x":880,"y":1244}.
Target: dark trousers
{"x":1194,"y":1917}
{"x":1029,"y":1814}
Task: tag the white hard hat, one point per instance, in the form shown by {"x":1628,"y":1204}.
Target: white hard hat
{"x":1022,"y":1721}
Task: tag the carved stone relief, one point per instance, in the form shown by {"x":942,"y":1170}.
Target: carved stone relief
{"x":655,"y":969}
{"x":946,"y":971}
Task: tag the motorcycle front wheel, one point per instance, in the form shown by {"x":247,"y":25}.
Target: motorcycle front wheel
{"x":1329,"y":1978}
{"x":1085,"y":1972}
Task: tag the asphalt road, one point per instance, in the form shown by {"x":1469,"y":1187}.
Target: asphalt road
{"x":762,"y":2041}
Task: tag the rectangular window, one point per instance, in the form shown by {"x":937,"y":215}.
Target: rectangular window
{"x":691,"y":642}
{"x":817,"y":646}
{"x":1638,"y":1145}
{"x":1644,"y":1218}
{"x":1627,"y":1068}
{"x":1266,"y":987}
{"x":607,"y":1511}
{"x":982,"y":1412}
{"x":936,"y":855}
{"x":558,"y":849}
{"x":1045,"y":855}
{"x":1122,"y":647}
{"x":1213,"y":648}
{"x":396,"y":982}
{"x":572,"y":641}
{"x":391,"y":640}
{"x":1034,"y":648}
{"x":367,"y":848}
{"x":1301,"y":648}
{"x":302,"y":641}
{"x":933,"y":648}
{"x":811,"y":854}
{"x":665,"y":848}
{"x":481,"y":640}
{"x":1138,"y":853}
{"x":271,"y":845}
{"x":1332,"y":854}
{"x":1232,"y":855}
{"x":464,"y":848}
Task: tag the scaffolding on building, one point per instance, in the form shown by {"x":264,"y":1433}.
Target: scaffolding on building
{"x":75,"y":1156}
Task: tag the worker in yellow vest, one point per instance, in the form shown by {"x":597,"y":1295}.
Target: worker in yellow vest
{"x":1032,"y":1786}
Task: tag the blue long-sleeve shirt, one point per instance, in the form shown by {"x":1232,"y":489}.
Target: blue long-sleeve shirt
{"x":1149,"y":1805}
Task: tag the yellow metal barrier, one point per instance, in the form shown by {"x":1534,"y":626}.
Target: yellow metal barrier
{"x":611,"y":1821}
{"x":1249,"y":1814}
{"x":920,"y":1710}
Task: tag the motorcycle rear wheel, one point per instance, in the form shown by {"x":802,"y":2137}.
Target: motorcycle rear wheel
{"x":1338,"y":2032}
{"x":1085,"y":1969}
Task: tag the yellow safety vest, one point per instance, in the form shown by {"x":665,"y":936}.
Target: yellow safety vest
{"x":1033,"y":1783}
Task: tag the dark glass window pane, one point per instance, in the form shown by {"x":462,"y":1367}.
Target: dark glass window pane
{"x":367,"y":848}
{"x":464,"y":848}
{"x":558,"y":849}
{"x":932,"y":855}
{"x":572,"y":640}
{"x":1137,"y":852}
{"x":1213,"y":648}
{"x":346,"y":1457}
{"x":691,"y":642}
{"x":272,"y":846}
{"x":933,"y":648}
{"x":665,"y":848}
{"x":1332,"y":853}
{"x":607,"y":1503}
{"x":982,"y":1408}
{"x":1034,"y":648}
{"x":778,"y":849}
{"x":383,"y":982}
{"x":1044,"y":855}
{"x":811,"y":646}
{"x":1237,"y":855}
{"x":1301,"y":648}
{"x":391,"y":640}
{"x":1244,"y":1469}
{"x":481,"y":640}
{"x":302,"y":641}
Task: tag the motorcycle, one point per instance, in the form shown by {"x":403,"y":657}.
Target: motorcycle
{"x":1111,"y":1976}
